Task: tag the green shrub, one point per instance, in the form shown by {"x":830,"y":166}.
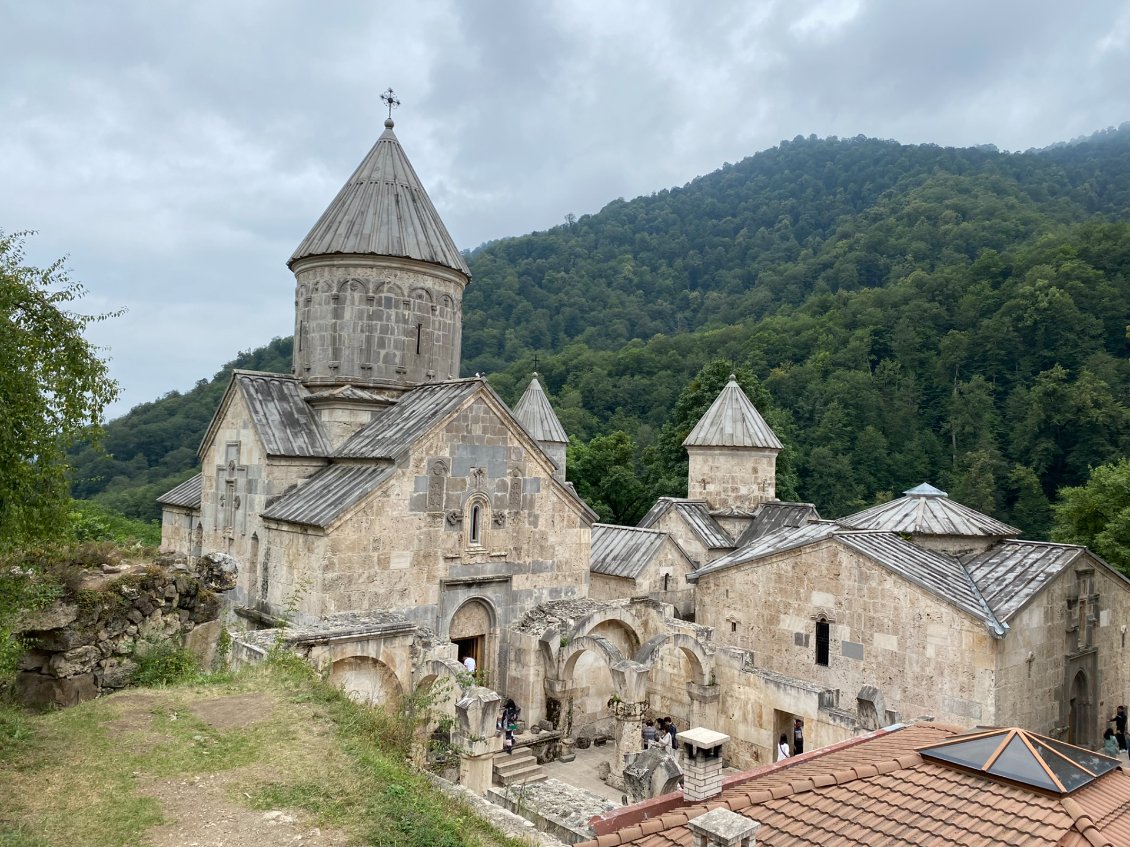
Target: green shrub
{"x":166,"y":664}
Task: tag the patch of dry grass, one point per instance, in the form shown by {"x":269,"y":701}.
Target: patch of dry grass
{"x":106,"y":773}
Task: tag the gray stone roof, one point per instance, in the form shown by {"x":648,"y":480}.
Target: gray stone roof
{"x":328,"y":494}
{"x":927,"y":511}
{"x":771,"y":516}
{"x":383,"y":210}
{"x":1013,"y":572}
{"x":732,"y":421}
{"x":536,"y":415}
{"x":623,"y":550}
{"x":779,"y":541}
{"x":697,"y":515}
{"x":185,"y":495}
{"x":941,"y":575}
{"x":395,"y":430}
{"x":281,"y":416}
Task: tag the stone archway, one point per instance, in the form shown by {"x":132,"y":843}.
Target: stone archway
{"x":366,"y":680}
{"x":679,"y":682}
{"x":473,"y":631}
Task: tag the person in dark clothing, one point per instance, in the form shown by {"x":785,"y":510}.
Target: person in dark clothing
{"x":798,"y":737}
{"x":510,"y":714}
{"x":1119,"y":720}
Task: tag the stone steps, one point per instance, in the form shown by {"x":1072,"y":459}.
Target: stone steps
{"x":517,"y":768}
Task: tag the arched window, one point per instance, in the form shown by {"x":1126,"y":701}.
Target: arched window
{"x":477,"y":520}
{"x":823,"y":637}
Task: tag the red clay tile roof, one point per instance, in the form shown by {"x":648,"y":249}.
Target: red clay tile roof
{"x":877,"y":790}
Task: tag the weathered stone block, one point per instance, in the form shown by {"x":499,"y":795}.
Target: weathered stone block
{"x":34,"y":689}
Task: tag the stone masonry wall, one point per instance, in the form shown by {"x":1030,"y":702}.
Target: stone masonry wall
{"x":1031,"y":670}
{"x":89,"y":644}
{"x":377,"y":321}
{"x":923,"y":655}
{"x":724,"y":477}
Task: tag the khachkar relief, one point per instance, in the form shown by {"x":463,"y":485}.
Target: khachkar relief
{"x":479,"y":479}
{"x":437,"y":484}
{"x":514,"y":494}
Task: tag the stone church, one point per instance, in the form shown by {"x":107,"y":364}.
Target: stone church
{"x":402,"y":519}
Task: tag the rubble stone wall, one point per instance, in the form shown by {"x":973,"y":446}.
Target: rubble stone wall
{"x":90,"y":643}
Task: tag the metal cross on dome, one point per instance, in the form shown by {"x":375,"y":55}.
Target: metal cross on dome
{"x":390,"y":100}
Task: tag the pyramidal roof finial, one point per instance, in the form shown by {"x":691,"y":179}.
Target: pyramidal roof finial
{"x":732,"y":421}
{"x":392,"y":102}
{"x":536,"y":415}
{"x":383,"y":210}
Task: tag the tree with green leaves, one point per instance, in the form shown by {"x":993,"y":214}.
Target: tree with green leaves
{"x":53,"y":388}
{"x":1098,"y":514}
{"x":604,"y":473}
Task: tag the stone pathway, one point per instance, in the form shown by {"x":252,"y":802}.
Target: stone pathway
{"x":582,"y":772}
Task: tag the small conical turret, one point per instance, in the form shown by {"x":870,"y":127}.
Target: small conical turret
{"x":733,"y":454}
{"x":536,"y":415}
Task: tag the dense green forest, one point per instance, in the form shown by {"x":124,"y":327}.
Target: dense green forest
{"x":901,"y":313}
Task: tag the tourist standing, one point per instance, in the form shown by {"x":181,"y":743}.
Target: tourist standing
{"x":783,"y":748}
{"x":1119,"y":720}
{"x":648,"y":733}
{"x":798,"y":737}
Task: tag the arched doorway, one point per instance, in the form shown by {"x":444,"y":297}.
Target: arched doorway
{"x":472,"y":631}
{"x":366,"y":680}
{"x":1079,"y":712}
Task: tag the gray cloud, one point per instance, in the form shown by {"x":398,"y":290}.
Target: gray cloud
{"x":179,"y":151}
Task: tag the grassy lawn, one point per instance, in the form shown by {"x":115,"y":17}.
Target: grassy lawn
{"x":157,"y":765}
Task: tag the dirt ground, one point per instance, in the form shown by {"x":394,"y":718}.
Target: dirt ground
{"x":201,"y":811}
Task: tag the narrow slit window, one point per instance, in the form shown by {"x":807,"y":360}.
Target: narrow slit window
{"x":419,"y":337}
{"x":475,"y":517}
{"x":822,"y":639}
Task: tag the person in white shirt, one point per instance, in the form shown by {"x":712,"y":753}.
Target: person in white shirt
{"x":469,"y":663}
{"x":783,"y":749}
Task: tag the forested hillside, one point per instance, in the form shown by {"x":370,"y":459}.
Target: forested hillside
{"x":911,"y":312}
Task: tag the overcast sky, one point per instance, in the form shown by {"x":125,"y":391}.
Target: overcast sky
{"x":178,"y":152}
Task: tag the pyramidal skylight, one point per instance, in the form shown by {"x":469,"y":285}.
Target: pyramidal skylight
{"x":1022,"y":757}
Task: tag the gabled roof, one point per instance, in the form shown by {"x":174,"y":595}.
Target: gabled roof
{"x":926,"y":510}
{"x":732,"y":421}
{"x":878,"y":790}
{"x":186,"y":495}
{"x":771,"y":516}
{"x":941,"y":575}
{"x":395,"y":430}
{"x":328,"y":494}
{"x":383,"y":210}
{"x":625,"y":550}
{"x":277,"y":406}
{"x":1012,"y":572}
{"x":696,"y":514}
{"x":536,"y":415}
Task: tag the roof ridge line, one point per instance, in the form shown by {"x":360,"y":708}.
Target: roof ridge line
{"x":1085,"y":823}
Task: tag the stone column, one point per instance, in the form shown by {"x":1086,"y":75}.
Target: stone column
{"x":704,"y":703}
{"x":476,"y":738}
{"x":701,"y":750}
{"x":628,"y":706}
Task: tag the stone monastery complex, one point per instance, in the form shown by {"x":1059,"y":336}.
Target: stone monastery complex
{"x":402,"y":518}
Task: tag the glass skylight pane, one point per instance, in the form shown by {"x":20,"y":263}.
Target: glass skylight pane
{"x":972,"y":754}
{"x":1093,"y":762}
{"x":1018,"y":763}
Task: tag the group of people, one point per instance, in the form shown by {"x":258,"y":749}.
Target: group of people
{"x":1114,"y":740}
{"x":661,"y":735}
